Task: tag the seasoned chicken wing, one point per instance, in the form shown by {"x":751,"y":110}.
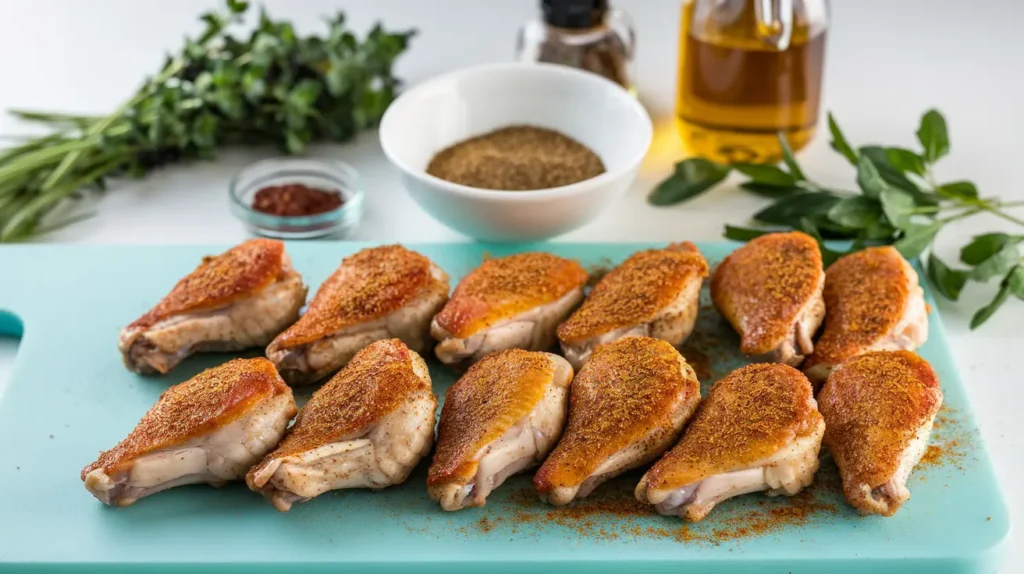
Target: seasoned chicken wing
{"x":513,"y":302}
{"x":210,"y":429}
{"x":239,"y":299}
{"x":367,"y":427}
{"x":627,"y":406}
{"x":502,"y":417}
{"x":879,"y":409}
{"x":873,"y":303}
{"x":770,"y":291}
{"x":758,"y":429}
{"x":653,"y":293}
{"x":378,"y":293}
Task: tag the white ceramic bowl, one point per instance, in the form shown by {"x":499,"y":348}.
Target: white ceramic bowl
{"x":473,"y":101}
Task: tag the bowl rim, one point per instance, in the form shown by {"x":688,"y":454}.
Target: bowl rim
{"x":519,"y":195}
{"x":352,"y":193}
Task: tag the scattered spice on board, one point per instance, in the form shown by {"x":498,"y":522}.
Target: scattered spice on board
{"x":296,"y":199}
{"x":516,"y":158}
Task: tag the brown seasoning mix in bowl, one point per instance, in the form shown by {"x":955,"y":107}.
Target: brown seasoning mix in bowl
{"x":517,"y":158}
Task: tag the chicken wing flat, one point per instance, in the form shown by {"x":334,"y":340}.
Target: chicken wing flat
{"x":873,"y":303}
{"x":627,"y":406}
{"x":758,"y":429}
{"x":209,"y":429}
{"x":502,"y":417}
{"x":770,"y":292}
{"x":513,"y":302}
{"x":879,"y":409}
{"x":653,"y":293}
{"x":378,"y":293}
{"x":239,"y":299}
{"x":367,"y":427}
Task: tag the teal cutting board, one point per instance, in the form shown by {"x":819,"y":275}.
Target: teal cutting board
{"x":70,"y":397}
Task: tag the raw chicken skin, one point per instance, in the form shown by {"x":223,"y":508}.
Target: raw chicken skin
{"x":209,"y":429}
{"x":873,"y":303}
{"x":770,"y":291}
{"x":236,"y":300}
{"x":378,"y":293}
{"x":879,"y":409}
{"x":367,"y":427}
{"x":653,"y":293}
{"x":758,"y":429}
{"x":627,"y":406}
{"x":513,"y":302}
{"x":502,"y":417}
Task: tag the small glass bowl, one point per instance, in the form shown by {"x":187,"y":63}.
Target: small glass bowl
{"x":317,"y":173}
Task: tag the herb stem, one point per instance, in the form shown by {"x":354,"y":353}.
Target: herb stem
{"x":989,"y":208}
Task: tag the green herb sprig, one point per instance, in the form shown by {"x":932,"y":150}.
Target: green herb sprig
{"x":269,"y":87}
{"x":898,"y":202}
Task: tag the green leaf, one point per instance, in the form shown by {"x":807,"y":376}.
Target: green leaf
{"x":1016,"y":281}
{"x":855,"y":212}
{"x":895,"y":177}
{"x":790,"y":209}
{"x":948,"y":282}
{"x":959,"y":190}
{"x":898,"y":206}
{"x":985,"y":246}
{"x":770,"y":191}
{"x":744,"y":233}
{"x":238,"y":6}
{"x":999,"y":263}
{"x":868,"y":178}
{"x":765,"y":174}
{"x":789,"y":158}
{"x":692,"y":177}
{"x":933,"y":136}
{"x":905,"y":160}
{"x":987,"y":311}
{"x":916,"y":238}
{"x":839,"y":142}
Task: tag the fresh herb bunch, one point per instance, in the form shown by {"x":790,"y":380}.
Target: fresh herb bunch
{"x":900,"y":203}
{"x":270,"y":87}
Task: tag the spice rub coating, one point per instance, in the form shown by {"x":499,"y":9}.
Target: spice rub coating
{"x":749,"y":415}
{"x":367,"y":286}
{"x":221,"y":279}
{"x":872,"y":302}
{"x":494,"y":394}
{"x":635,"y":393}
{"x":876,"y":407}
{"x":766,"y":287}
{"x":516,"y":158}
{"x":635,"y":291}
{"x":504,"y":287}
{"x":207,"y":401}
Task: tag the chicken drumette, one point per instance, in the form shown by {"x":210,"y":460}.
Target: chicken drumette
{"x":513,"y":302}
{"x":212,"y":428}
{"x":879,"y":409}
{"x":873,"y":303}
{"x":653,"y":293}
{"x":378,"y":293}
{"x":241,"y":298}
{"x":627,"y":406}
{"x":758,"y":429}
{"x":366,"y":428}
{"x":770,"y":291}
{"x":503,"y":416}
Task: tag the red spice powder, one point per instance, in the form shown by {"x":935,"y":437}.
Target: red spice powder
{"x":296,"y":199}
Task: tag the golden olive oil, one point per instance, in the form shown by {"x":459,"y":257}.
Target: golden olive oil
{"x":736,"y":91}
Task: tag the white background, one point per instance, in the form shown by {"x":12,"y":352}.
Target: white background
{"x":887,"y":61}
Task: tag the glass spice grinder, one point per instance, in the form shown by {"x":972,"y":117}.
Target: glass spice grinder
{"x":747,"y":70}
{"x":584,"y":34}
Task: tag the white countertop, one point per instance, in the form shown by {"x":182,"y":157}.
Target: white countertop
{"x":886,"y":63}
